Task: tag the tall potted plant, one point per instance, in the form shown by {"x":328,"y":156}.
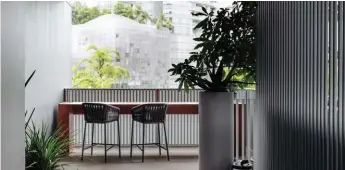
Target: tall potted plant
{"x":225,"y":50}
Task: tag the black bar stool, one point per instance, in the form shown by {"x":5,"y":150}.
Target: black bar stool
{"x":98,"y":113}
{"x":150,"y":114}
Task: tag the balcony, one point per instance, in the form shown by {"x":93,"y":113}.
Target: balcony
{"x":300,"y":123}
{"x":182,"y":129}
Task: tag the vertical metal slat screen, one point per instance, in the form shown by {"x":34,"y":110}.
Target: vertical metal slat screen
{"x":300,"y":93}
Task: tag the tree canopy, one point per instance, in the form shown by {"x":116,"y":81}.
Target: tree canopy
{"x":123,"y":10}
{"x":140,"y":15}
{"x":100,"y":71}
{"x":163,"y":21}
{"x":82,"y":14}
{"x":136,"y":13}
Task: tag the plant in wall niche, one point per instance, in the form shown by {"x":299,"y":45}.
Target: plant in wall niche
{"x":27,"y":120}
{"x":44,"y":151}
{"x":99,"y":70}
{"x":227,"y":42}
{"x":33,"y":110}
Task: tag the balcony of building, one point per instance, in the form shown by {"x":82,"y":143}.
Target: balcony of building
{"x":182,"y":128}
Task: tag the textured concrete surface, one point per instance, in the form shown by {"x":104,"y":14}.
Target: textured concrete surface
{"x":180,"y":159}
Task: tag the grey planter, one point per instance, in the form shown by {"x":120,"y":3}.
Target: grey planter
{"x":216,"y":130}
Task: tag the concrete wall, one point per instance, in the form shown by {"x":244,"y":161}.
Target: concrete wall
{"x":47,"y":50}
{"x":34,"y":36}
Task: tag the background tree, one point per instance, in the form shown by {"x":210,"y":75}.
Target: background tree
{"x":140,"y":15}
{"x":242,"y":76}
{"x":82,"y":14}
{"x":163,"y":21}
{"x":106,"y":11}
{"x":137,"y":14}
{"x":123,"y":10}
{"x":100,"y":71}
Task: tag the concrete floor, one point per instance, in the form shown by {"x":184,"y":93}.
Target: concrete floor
{"x":180,"y":159}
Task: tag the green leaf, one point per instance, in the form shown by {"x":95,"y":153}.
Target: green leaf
{"x":198,"y":39}
{"x":186,"y":87}
{"x":92,"y":47}
{"x":204,"y":9}
{"x":180,"y":85}
{"x":201,"y":23}
{"x":199,"y":46}
{"x":199,"y":14}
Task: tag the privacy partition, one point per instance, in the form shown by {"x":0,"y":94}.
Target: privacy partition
{"x":300,"y":91}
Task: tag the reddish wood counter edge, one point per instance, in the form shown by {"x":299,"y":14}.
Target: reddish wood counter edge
{"x":65,"y":109}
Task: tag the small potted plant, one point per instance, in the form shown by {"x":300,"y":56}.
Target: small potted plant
{"x":225,"y":51}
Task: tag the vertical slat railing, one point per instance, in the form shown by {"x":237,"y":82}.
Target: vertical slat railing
{"x":183,"y":130}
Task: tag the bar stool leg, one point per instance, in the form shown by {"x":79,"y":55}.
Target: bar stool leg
{"x":166,"y":141}
{"x":143,"y":144}
{"x":83,"y":145}
{"x":130,"y":155}
{"x":93,"y":131}
{"x":105,"y":142}
{"x":119,"y":137}
{"x":159,"y":139}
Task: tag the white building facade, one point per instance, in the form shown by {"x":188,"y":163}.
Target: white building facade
{"x":181,"y":37}
{"x":144,"y":49}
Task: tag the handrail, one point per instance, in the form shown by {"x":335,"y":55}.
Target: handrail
{"x":150,"y":95}
{"x":128,"y":89}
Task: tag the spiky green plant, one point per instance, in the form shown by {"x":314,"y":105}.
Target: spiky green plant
{"x":29,"y":118}
{"x":44,"y":150}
